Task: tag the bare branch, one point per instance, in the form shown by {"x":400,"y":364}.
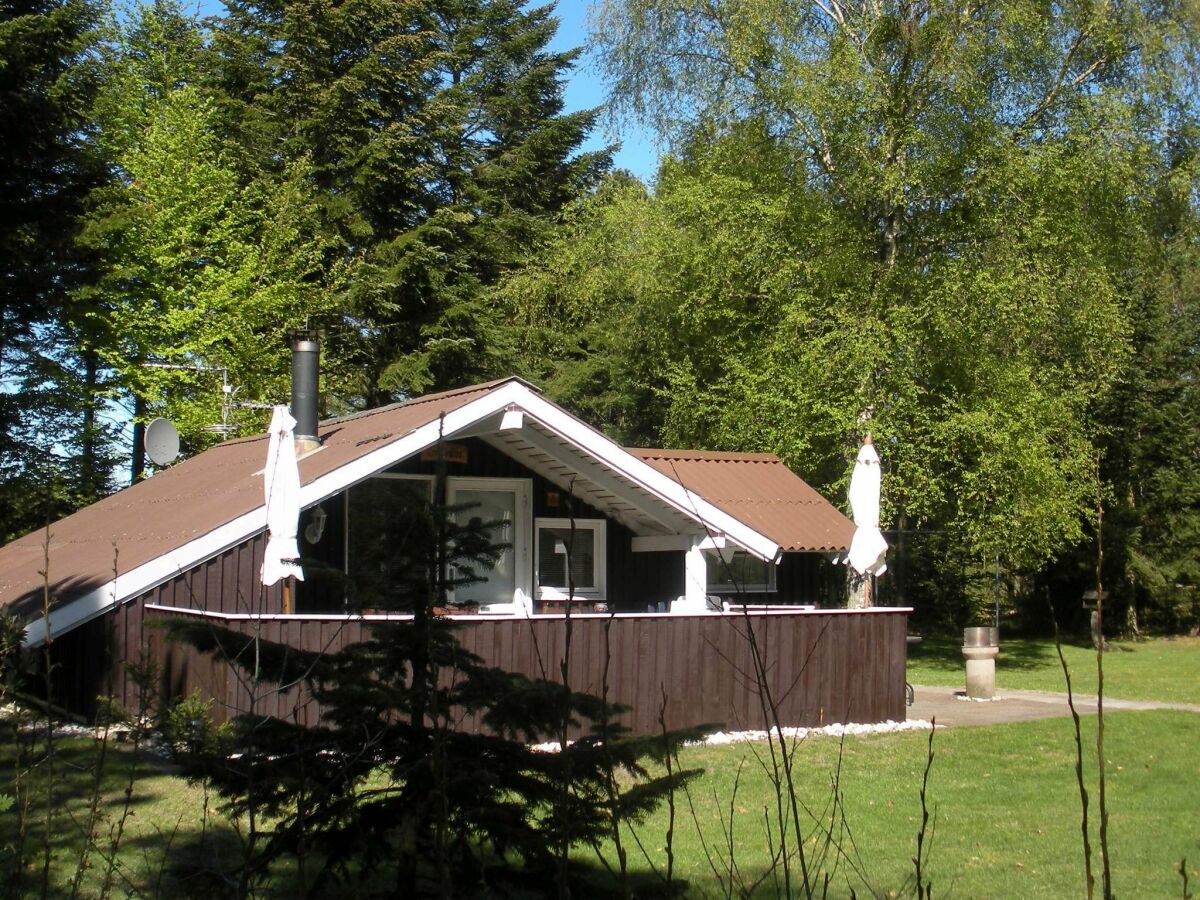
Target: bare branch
{"x":1060,"y":79}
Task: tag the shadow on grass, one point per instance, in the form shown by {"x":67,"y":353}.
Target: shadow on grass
{"x":164,"y":853}
{"x":1018,"y":654}
{"x":588,"y":878}
{"x":157,"y":834}
{"x":209,"y":868}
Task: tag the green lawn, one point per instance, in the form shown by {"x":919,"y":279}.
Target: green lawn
{"x":1007,"y":809}
{"x":160,"y":848}
{"x":1004,"y":797}
{"x":1166,"y":669}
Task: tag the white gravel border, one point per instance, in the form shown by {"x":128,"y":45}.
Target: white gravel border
{"x":722,"y":738}
{"x":836,"y":730}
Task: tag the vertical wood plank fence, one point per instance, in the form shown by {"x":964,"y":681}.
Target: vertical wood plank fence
{"x":821,"y":666}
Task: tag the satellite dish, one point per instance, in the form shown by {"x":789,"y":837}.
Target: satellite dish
{"x":162,"y":442}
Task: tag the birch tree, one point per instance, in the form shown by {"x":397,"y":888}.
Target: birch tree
{"x":923,"y":220}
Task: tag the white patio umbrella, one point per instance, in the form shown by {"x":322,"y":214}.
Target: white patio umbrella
{"x":867,"y":547}
{"x":281,"y":484}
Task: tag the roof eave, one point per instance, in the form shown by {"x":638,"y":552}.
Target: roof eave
{"x":511,"y":392}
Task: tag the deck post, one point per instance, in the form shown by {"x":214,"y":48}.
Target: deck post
{"x":695,"y":578}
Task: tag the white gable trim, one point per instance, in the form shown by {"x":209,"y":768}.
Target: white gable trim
{"x":153,"y":573}
{"x":586,"y":439}
{"x":593,"y":443}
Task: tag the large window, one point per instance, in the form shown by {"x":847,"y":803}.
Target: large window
{"x":738,"y":572}
{"x":567,"y":557}
{"x":387,"y":532}
{"x":389,"y":535}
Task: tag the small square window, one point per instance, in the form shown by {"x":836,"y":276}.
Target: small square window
{"x":739,"y":572}
{"x":579,"y":553}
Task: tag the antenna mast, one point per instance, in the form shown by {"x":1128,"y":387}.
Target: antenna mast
{"x":228,"y":392}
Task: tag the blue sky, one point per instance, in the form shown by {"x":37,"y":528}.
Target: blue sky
{"x":586,"y":89}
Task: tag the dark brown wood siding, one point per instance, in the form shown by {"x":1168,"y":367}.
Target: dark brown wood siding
{"x":228,"y":582}
{"x":820,"y":668}
{"x":96,"y":659}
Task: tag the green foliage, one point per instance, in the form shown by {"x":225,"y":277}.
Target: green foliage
{"x":440,"y":156}
{"x":390,"y":782}
{"x":199,"y":266}
{"x":933,"y":223}
{"x":183,"y":193}
{"x":49,"y":459}
{"x":1153,"y":534}
{"x":189,"y":728}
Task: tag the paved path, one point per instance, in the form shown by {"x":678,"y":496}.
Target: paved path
{"x":1015,"y":706}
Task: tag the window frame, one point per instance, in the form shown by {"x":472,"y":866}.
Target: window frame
{"x":523,"y":531}
{"x":347,"y":524}
{"x":770,"y":586}
{"x":599,"y":529}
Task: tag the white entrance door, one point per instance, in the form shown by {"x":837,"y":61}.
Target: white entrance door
{"x":506,"y":501}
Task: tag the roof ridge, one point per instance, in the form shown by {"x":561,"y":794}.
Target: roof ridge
{"x":430,"y":398}
{"x":711,"y":455}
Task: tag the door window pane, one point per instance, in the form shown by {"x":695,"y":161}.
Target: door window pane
{"x":500,"y":507}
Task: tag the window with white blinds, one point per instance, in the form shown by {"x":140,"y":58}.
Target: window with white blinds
{"x":563,"y":551}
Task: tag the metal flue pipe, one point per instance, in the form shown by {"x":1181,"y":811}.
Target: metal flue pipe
{"x":306,"y":371}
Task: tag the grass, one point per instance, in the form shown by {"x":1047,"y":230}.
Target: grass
{"x":1005,"y":800}
{"x":160,"y":847}
{"x":1007,"y":819}
{"x":1166,"y":669}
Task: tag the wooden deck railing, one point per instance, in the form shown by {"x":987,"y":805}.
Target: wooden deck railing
{"x":823,"y":666}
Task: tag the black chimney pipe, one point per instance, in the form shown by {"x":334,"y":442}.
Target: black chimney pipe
{"x":306,"y":370}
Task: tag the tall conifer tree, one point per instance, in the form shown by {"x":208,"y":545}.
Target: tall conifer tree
{"x":46,"y":171}
{"x":441,"y":155}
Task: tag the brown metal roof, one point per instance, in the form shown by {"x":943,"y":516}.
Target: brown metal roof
{"x":194,"y":498}
{"x":758,"y":489}
{"x":191,"y":499}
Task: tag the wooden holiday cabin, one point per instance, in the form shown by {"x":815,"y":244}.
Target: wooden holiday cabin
{"x":676,"y":555}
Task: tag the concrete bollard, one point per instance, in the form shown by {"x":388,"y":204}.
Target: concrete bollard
{"x":981,"y":646}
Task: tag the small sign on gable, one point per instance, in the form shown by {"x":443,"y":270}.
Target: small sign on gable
{"x":452,"y":453}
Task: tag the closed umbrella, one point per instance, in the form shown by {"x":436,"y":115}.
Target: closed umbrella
{"x":867,"y":547}
{"x":281,"y":483}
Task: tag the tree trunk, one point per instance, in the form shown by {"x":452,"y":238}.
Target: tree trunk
{"x":137,"y":452}
{"x":88,"y":464}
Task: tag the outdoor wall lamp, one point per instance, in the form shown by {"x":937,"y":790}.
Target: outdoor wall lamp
{"x":316,"y":525}
{"x":513,"y":419}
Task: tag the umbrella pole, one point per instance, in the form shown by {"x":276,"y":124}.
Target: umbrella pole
{"x":287,"y":596}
